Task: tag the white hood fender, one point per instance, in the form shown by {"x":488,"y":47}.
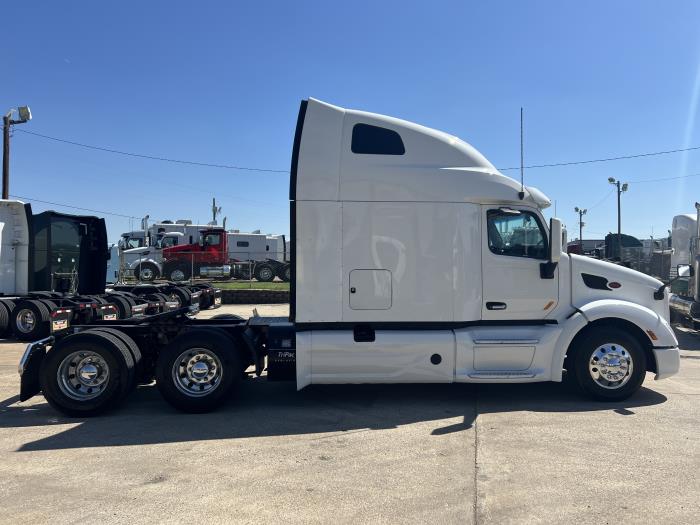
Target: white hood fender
{"x":648,"y":322}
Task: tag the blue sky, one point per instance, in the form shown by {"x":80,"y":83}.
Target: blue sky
{"x":221,"y":82}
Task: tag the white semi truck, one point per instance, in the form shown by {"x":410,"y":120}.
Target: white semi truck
{"x":414,"y":260}
{"x":685,"y":268}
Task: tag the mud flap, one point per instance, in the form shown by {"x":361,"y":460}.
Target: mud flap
{"x":29,"y":368}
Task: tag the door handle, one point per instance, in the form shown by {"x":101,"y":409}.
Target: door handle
{"x":496,"y":306}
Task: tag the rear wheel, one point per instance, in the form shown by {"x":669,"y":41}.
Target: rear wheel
{"x":179,"y":272}
{"x":123,"y":305}
{"x":264,"y":272}
{"x":183,"y":295}
{"x":197,"y":370}
{"x":30,"y":320}
{"x":6,"y":307}
{"x":87,"y":373}
{"x":608,"y":364}
{"x":286,"y":273}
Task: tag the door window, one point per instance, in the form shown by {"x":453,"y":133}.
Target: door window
{"x":516,"y":233}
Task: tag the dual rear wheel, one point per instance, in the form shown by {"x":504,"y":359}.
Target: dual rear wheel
{"x":90,"y":372}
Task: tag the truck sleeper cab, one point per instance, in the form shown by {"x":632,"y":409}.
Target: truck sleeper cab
{"x":412,"y":260}
{"x":415,"y":260}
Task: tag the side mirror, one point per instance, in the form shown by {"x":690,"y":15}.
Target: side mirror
{"x":685,"y":270}
{"x":201,"y":242}
{"x":555,"y":240}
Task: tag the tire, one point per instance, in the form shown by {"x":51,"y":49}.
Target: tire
{"x":177,"y":381}
{"x":205,"y":299}
{"x":30,"y":320}
{"x":264,"y":273}
{"x":183,"y":295}
{"x":286,"y":273}
{"x":6,"y":307}
{"x":123,"y":305}
{"x":131,"y":346}
{"x":593,"y":350}
{"x":76,"y":394}
{"x":147,"y":272}
{"x":178,"y":273}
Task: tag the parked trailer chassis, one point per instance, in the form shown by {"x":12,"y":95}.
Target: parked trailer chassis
{"x":88,"y":369}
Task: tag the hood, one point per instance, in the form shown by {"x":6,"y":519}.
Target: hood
{"x":593,"y":279}
{"x":613,"y":272}
{"x":143,"y":250}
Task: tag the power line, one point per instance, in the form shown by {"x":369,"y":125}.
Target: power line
{"x":601,"y":201}
{"x":151,"y":157}
{"x":591,"y":161}
{"x":31,"y":199}
{"x":249,"y":168}
{"x":664,"y":178}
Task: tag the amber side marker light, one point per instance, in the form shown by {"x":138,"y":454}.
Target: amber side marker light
{"x":652,"y":335}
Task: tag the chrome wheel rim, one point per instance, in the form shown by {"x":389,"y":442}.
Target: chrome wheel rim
{"x":611,"y":366}
{"x":266,"y":274}
{"x":197,"y":372}
{"x":26,"y":320}
{"x":147,"y":274}
{"x":177,"y":275}
{"x":83,"y":375}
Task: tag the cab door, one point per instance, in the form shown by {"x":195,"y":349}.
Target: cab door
{"x":514,"y":250}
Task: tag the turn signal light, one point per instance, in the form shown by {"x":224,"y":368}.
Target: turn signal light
{"x":652,"y":335}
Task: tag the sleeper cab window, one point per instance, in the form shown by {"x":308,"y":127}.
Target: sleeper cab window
{"x":373,"y":140}
{"x":516,"y":233}
{"x":242,"y":244}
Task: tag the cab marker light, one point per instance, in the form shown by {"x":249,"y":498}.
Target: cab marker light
{"x":652,"y":335}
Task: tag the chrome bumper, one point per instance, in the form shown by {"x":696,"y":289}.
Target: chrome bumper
{"x":668,"y":362}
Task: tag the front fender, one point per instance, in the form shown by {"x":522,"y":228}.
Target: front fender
{"x":137,"y":263}
{"x":644,"y":318}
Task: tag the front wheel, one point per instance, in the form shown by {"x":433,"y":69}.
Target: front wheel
{"x":608,"y":364}
{"x":147,"y":272}
{"x":197,"y":370}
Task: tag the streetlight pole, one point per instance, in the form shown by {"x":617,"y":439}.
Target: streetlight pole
{"x":25,"y":115}
{"x":581,"y":212}
{"x":6,"y":156}
{"x":621,"y":187}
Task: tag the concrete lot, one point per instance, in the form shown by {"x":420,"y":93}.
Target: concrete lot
{"x":403,"y":453}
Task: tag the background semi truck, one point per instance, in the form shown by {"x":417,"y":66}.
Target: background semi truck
{"x":413,"y":260}
{"x":248,"y":255}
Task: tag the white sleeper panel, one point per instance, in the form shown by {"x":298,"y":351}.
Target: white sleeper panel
{"x":395,"y":356}
{"x":319,"y":281}
{"x":412,"y":240}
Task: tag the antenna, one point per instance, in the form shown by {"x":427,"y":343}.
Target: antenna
{"x":214,"y":210}
{"x":521,"y":193}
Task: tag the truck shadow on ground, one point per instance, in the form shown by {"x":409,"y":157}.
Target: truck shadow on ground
{"x":275,"y":409}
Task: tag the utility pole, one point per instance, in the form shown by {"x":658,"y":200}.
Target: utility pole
{"x":621,"y":187}
{"x":581,"y":212}
{"x":25,"y":115}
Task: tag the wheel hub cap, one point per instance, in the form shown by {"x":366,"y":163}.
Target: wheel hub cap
{"x":178,"y":275}
{"x":611,"y":366}
{"x":197,"y":372}
{"x":83,"y":375}
{"x":26,"y":321}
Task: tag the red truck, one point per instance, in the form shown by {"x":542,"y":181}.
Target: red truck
{"x":208,"y":258}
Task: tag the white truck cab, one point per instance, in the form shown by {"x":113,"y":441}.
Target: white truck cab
{"x":415,"y":260}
